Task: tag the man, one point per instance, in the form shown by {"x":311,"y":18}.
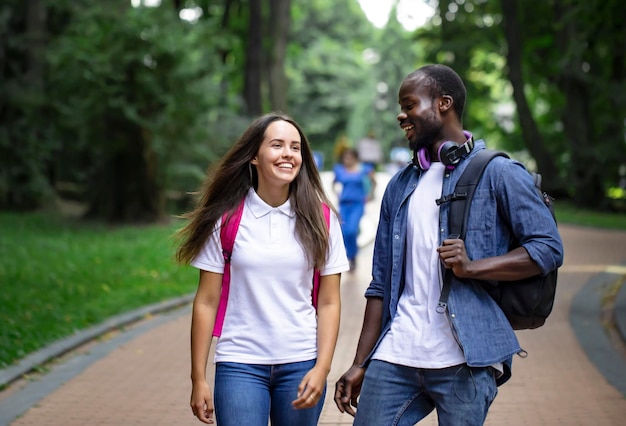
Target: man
{"x":413,"y":358}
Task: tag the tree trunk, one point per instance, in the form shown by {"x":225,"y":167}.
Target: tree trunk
{"x":36,"y":36}
{"x":609,"y":86}
{"x":586,"y":173}
{"x":254,"y":56}
{"x":125,"y":188}
{"x":530,"y":132}
{"x":280,"y":19}
{"x":225,"y":52}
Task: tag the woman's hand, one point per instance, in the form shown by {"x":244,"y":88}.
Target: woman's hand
{"x":311,"y":388}
{"x":202,"y":402}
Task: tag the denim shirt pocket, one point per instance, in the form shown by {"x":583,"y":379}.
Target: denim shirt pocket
{"x":482,"y":211}
{"x":481,"y":225}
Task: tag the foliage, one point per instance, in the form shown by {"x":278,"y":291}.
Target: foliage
{"x":329,"y":78}
{"x":138,"y":102}
{"x":395,"y":55}
{"x":122,"y":86}
{"x":576,"y":63}
{"x":58,"y":276}
{"x":26,"y":149}
{"x":134,"y":77}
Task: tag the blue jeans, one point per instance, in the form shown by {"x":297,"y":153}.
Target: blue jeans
{"x":397,"y":395}
{"x":250,"y":394}
{"x":351,"y":214}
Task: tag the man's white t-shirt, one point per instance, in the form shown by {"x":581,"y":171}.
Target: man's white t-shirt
{"x":269,"y":317}
{"x":421,"y":337}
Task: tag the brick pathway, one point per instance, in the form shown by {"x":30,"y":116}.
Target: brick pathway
{"x":142,"y":376}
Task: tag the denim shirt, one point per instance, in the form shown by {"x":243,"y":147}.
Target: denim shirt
{"x":505,"y":208}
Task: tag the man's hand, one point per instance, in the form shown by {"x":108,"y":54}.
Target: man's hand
{"x":348,"y":389}
{"x":453,"y":256}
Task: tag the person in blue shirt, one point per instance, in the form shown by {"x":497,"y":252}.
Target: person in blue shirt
{"x":357,"y":184}
{"x":412,"y":358}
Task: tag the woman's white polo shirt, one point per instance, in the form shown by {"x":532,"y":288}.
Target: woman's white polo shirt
{"x":269,"y":317}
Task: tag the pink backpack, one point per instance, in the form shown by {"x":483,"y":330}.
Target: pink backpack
{"x":228,"y":232}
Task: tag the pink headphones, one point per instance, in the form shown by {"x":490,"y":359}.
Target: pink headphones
{"x":449,"y":153}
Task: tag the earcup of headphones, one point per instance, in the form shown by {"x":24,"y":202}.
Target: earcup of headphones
{"x":423,"y":159}
{"x":445,"y":149}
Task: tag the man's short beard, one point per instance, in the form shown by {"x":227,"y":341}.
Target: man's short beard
{"x":430,"y":134}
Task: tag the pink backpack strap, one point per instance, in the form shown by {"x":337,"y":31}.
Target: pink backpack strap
{"x":316,"y":273}
{"x":228,"y":232}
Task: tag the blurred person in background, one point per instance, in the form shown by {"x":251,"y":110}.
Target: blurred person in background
{"x":354,"y":183}
{"x":370,"y":151}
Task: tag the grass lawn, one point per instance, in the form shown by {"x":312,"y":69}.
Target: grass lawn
{"x":566,"y":213}
{"x":58,"y":276}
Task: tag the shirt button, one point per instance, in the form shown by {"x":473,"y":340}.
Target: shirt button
{"x":397,"y":237}
{"x":452,"y":316}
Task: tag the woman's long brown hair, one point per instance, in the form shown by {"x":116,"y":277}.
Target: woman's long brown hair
{"x":227,"y":184}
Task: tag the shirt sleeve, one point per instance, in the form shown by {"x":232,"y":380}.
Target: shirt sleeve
{"x":337,"y":260}
{"x":210,"y":257}
{"x":382,"y":251}
{"x":336,"y":173}
{"x":530,"y":220}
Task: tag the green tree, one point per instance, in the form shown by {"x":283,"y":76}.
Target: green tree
{"x":529,"y":127}
{"x":279,"y":24}
{"x":591,"y":76}
{"x":137,"y":101}
{"x":396,"y":54}
{"x":564,"y":65}
{"x":331,"y":84}
{"x":26,"y":146}
{"x":129,"y":88}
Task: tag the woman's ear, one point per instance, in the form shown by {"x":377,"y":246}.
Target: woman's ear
{"x":254,"y":161}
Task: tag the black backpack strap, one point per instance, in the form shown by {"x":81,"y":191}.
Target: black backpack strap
{"x":460,"y":207}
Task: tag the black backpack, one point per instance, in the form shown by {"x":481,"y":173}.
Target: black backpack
{"x":526,"y":303}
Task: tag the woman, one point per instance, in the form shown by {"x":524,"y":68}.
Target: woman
{"x":274,"y":353}
{"x":357,"y":187}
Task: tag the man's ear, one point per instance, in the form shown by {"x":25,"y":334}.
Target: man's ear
{"x":445,"y":103}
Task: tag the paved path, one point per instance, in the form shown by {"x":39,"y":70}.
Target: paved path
{"x":140,"y":376}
